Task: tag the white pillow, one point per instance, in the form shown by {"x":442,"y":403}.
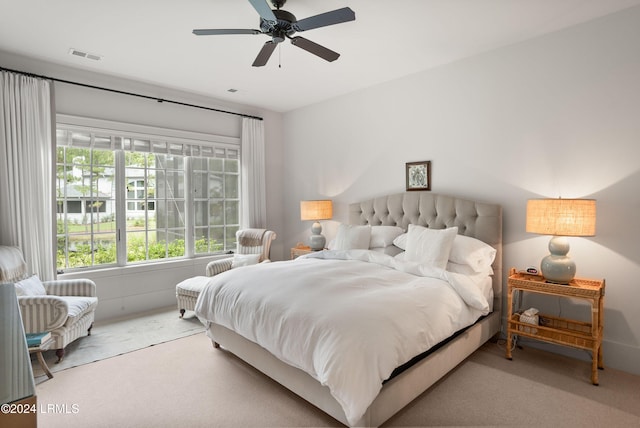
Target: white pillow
{"x":350,"y":237}
{"x":467,"y":270}
{"x":430,"y":246}
{"x":390,"y":250}
{"x":244,"y":260}
{"x":383,"y":236}
{"x":30,"y":287}
{"x":401,"y":241}
{"x":473,"y":252}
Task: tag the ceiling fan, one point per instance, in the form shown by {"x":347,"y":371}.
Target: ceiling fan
{"x":280,"y":24}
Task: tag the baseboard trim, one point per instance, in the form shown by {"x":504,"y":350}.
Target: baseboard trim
{"x":617,"y":356}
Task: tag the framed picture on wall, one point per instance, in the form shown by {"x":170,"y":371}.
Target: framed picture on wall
{"x":418,"y":175}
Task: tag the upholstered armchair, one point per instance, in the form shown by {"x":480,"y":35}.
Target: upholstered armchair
{"x":249,"y":242}
{"x":66,"y":308}
{"x":252,"y":246}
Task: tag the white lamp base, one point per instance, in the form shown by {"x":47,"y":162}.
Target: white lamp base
{"x":557,"y":267}
{"x":317,"y":240}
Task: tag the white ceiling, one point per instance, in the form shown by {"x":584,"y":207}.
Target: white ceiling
{"x":152,"y":41}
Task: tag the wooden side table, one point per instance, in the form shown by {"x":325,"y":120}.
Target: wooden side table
{"x":300,"y":251}
{"x":38,"y":351}
{"x":561,"y":331}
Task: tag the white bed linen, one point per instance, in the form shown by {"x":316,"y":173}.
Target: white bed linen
{"x":347,"y":318}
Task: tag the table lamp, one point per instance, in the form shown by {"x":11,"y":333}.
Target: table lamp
{"x":315,"y":211}
{"x":560,"y":218}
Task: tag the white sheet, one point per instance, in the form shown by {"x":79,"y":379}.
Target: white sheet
{"x":347,"y":318}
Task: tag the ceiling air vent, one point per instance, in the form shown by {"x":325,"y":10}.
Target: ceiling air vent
{"x":83,"y":54}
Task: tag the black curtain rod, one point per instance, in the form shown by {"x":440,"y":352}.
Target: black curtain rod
{"x":160,"y":100}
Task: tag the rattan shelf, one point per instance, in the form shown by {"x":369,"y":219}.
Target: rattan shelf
{"x":300,"y":251}
{"x":561,"y":331}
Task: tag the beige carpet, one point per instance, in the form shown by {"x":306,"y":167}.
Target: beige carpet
{"x":187,"y":383}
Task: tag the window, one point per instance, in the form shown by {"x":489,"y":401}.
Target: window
{"x":216,"y":201}
{"x":152,"y":234}
{"x":136,"y":191}
{"x":122,"y":197}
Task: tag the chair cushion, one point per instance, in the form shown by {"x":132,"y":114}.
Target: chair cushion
{"x":240,"y":260}
{"x":31,"y":286}
{"x":78,"y":306}
{"x":192,"y":286}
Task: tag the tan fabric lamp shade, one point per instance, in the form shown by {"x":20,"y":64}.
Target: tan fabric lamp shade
{"x":560,"y":218}
{"x":316,"y":210}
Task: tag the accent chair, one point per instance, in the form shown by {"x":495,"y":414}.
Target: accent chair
{"x":66,"y":308}
{"x":252,"y":246}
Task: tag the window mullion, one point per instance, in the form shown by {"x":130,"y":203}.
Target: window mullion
{"x":189,"y":233}
{"x":121,"y":205}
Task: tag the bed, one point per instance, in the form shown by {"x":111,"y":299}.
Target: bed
{"x":329,"y":378}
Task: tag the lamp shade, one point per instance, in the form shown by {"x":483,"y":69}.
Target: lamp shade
{"x":316,"y":210}
{"x":562,"y":217}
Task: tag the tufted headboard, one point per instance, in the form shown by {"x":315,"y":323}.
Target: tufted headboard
{"x":476,"y":219}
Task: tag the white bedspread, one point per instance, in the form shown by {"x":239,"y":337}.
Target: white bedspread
{"x":347,"y":318}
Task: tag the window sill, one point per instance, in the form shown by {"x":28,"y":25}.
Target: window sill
{"x":139,"y":268}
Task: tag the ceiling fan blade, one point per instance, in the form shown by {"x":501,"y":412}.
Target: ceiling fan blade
{"x":337,"y":16}
{"x":213,"y":32}
{"x":264,"y":54}
{"x":264,"y":10}
{"x":315,"y":48}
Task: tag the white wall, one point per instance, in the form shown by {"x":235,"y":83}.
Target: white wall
{"x":555,"y":116}
{"x":135,"y":289}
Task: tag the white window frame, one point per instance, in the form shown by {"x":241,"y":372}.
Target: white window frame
{"x":197,"y":144}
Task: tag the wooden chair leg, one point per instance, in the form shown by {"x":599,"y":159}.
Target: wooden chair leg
{"x":59,"y":354}
{"x":89,"y":330}
{"x":182,"y":311}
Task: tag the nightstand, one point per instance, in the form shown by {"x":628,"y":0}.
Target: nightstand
{"x":300,"y":251}
{"x":561,"y":331}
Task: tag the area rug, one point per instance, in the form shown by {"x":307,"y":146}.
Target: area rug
{"x":120,"y":336}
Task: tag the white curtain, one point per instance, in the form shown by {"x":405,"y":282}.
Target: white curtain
{"x":254,"y":205}
{"x":26,"y":173}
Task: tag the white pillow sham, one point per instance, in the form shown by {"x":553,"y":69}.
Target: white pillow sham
{"x":390,"y":250}
{"x":383,"y":236}
{"x":240,"y":260}
{"x":473,"y":252}
{"x":31,"y":286}
{"x":429,"y":246}
{"x":401,"y":241}
{"x":468,"y":270}
{"x":351,"y":237}
{"x":477,"y":255}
